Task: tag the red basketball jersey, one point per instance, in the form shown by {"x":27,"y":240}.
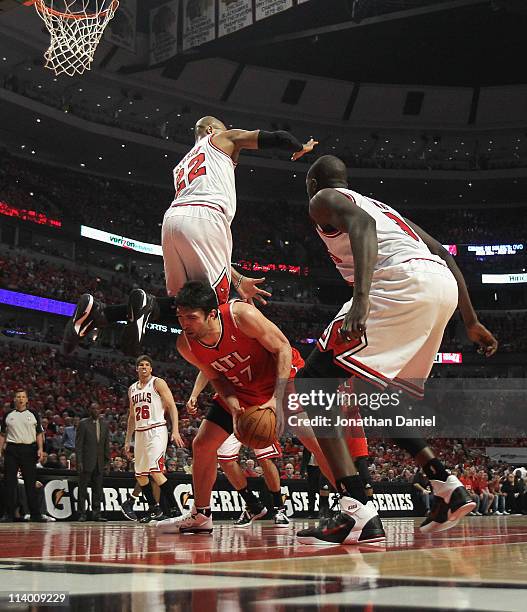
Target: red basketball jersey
{"x":243,"y":360}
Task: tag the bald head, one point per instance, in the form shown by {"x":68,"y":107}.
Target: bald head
{"x":208,"y":125}
{"x":327,"y":171}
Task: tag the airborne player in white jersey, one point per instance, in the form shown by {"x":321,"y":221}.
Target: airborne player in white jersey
{"x":149,"y":398}
{"x":406,"y":288}
{"x":195,"y":235}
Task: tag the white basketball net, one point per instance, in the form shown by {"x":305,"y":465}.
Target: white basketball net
{"x":76,"y":27}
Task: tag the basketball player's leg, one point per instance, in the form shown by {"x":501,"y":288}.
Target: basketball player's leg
{"x":451,"y":500}
{"x":228,"y":455}
{"x":157,"y":440}
{"x":215,"y":428}
{"x":357,"y":521}
{"x":127,"y":507}
{"x":196,"y":247}
{"x":266,"y":457}
{"x":272,"y":480}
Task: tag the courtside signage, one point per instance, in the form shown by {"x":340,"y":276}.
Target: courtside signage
{"x":121,"y":241}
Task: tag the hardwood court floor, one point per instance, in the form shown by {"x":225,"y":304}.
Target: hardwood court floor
{"x":479,"y":565}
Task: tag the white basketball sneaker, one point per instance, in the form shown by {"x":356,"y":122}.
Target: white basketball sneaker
{"x":192,"y":522}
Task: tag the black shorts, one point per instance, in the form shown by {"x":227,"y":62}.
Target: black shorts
{"x":217,"y":414}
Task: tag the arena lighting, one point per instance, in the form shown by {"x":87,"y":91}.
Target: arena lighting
{"x":503,"y":279}
{"x":35,"y":302}
{"x":483,"y":250}
{"x":28,"y":215}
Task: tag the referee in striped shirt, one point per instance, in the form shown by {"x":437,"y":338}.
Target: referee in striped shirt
{"x":22,"y":442}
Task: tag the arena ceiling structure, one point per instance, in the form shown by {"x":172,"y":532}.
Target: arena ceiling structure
{"x":154,"y":74}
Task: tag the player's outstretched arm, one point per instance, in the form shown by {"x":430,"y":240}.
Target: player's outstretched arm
{"x":222,"y":386}
{"x":476,"y":331}
{"x":255,"y":325}
{"x":169,"y":404}
{"x":331,"y":208}
{"x":233,"y":141}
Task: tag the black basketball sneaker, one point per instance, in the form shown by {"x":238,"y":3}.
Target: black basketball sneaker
{"x":451,"y":503}
{"x":87,"y":318}
{"x":141,"y":307}
{"x":356,"y":523}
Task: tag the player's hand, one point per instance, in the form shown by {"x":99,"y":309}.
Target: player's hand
{"x":307,"y":148}
{"x":192,"y":405}
{"x":177,"y":439}
{"x":236,"y":412}
{"x":354,"y":324}
{"x":127,"y":451}
{"x":249,"y":290}
{"x":40,"y":454}
{"x":481,"y":336}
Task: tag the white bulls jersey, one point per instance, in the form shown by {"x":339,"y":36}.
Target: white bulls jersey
{"x":205,"y":176}
{"x":397,"y":241}
{"x":147,"y":405}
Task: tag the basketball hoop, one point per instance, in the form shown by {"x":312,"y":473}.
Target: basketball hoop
{"x":76,"y":27}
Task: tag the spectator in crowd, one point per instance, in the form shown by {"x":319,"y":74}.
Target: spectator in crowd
{"x":422,"y":490}
{"x":117,"y":465}
{"x":52,"y":462}
{"x":481,"y":488}
{"x":70,"y":431}
{"x":498,"y":507}
{"x":467,"y":478}
{"x":249,"y":469}
{"x":171,"y":466}
{"x":289,"y":471}
{"x":92,"y":447}
{"x":512,"y":491}
{"x":188,"y":467}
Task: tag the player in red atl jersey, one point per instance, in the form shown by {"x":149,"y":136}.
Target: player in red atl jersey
{"x":406,"y":288}
{"x":196,"y":232}
{"x":248,"y":360}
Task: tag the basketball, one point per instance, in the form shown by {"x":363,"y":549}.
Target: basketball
{"x":257,"y":427}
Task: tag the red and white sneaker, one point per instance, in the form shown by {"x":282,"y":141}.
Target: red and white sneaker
{"x":193,"y":522}
{"x":356,"y":523}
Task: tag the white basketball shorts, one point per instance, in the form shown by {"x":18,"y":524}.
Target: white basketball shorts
{"x":230,"y":450}
{"x":149,"y":450}
{"x":410,"y":306}
{"x":197,"y":245}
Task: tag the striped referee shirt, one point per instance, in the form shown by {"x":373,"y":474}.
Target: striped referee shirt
{"x":21,"y":426}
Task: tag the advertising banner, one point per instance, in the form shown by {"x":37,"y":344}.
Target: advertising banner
{"x":61,"y":491}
